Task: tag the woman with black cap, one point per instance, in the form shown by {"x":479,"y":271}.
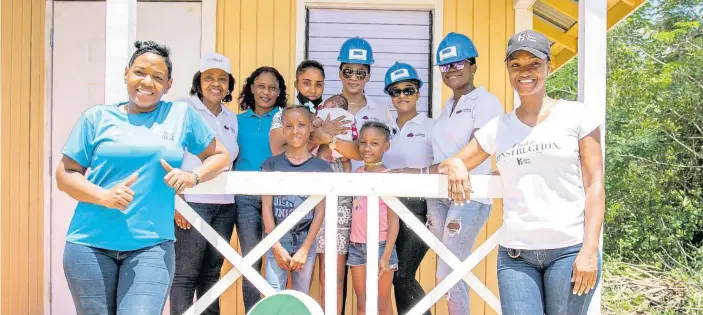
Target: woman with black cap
{"x":548,"y":152}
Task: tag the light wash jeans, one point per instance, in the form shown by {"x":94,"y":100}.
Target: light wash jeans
{"x":113,"y":282}
{"x":457,"y":226}
{"x":278,"y":277}
{"x":539,"y":282}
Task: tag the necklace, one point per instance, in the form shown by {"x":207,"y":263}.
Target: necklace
{"x":374,"y":164}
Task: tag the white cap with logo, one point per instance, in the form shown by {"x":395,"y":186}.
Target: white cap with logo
{"x":215,"y":61}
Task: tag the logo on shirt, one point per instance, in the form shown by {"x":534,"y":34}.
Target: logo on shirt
{"x":411,"y":135}
{"x":113,"y":131}
{"x":465,"y":110}
{"x":529,"y":147}
{"x":166,"y":134}
{"x":228,"y":128}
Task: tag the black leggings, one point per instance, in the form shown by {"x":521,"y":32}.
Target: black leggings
{"x":411,"y":250}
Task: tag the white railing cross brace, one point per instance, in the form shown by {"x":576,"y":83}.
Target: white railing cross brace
{"x":317,"y":185}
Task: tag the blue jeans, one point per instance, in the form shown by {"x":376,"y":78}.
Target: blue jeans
{"x":539,"y":282}
{"x":457,"y":227}
{"x":250,"y":229}
{"x":112,"y":282}
{"x":277,"y":277}
{"x":198,"y":263}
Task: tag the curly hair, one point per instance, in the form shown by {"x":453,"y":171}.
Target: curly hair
{"x":246,"y":97}
{"x":151,"y":46}
{"x":196,"y":89}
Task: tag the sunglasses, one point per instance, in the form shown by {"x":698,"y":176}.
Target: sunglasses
{"x":458,"y":65}
{"x":408,"y":91}
{"x":361,"y":74}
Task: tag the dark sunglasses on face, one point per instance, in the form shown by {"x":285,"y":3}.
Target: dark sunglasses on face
{"x":361,"y":74}
{"x":458,"y":65}
{"x":408,"y":91}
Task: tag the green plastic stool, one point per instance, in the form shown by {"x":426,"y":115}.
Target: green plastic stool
{"x":287,"y":302}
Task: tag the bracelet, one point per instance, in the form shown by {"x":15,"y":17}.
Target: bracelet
{"x":197,"y":178}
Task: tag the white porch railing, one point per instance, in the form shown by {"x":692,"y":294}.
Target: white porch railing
{"x":331,"y":185}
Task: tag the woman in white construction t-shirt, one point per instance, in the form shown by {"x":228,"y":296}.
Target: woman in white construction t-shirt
{"x":548,"y":153}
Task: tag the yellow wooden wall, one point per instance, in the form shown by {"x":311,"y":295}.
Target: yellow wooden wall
{"x":258,"y":33}
{"x":21,"y":155}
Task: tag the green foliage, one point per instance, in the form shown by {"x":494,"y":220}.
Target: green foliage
{"x":654,"y":140}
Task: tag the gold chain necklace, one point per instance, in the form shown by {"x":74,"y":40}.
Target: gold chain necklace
{"x":374,"y":164}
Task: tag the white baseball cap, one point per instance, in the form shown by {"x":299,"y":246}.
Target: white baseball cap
{"x":215,"y":61}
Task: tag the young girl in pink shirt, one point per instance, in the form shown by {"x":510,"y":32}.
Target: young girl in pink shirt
{"x":373,"y":143}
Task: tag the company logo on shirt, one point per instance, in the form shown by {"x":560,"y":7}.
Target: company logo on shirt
{"x":528,"y":147}
{"x":228,"y":128}
{"x":465,"y":110}
{"x":166,"y":134}
{"x":420,"y":135}
{"x":113,"y":131}
{"x":447,"y":53}
{"x":357,"y":54}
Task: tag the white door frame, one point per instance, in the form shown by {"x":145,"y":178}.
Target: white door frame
{"x":436,"y":6}
{"x":208,"y":43}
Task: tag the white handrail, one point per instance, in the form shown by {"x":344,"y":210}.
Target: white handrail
{"x":376,"y":187}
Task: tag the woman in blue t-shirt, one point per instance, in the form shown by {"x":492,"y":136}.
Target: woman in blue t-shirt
{"x":119,"y":255}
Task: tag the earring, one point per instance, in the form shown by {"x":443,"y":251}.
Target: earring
{"x":125,"y":79}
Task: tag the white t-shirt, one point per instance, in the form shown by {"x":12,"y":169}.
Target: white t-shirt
{"x":411,"y":146}
{"x":373,"y":111}
{"x":544,"y":198}
{"x":225,"y":127}
{"x":451,"y":133}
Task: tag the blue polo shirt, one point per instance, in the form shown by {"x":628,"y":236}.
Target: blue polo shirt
{"x":253,"y":139}
{"x":113,"y":145}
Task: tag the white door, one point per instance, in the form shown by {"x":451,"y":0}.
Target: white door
{"x":394,"y":35}
{"x":78,"y":83}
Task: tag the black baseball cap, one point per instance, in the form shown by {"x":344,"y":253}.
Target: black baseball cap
{"x":529,"y":41}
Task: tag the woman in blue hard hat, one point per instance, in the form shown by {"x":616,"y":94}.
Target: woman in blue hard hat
{"x":356,"y":58}
{"x":549,"y":154}
{"x":411,"y":147}
{"x":469,"y":108}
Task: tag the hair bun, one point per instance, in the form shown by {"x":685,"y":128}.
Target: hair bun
{"x":152,"y":45}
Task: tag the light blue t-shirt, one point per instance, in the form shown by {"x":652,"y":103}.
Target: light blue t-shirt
{"x":113,"y":145}
{"x":253,"y":139}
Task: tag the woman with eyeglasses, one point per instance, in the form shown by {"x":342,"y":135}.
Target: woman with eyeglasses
{"x":356,"y":58}
{"x":471,"y":107}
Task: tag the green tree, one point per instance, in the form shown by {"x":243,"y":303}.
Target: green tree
{"x":654,"y":140}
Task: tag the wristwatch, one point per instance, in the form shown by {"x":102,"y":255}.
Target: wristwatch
{"x":197,"y":178}
{"x":333,"y":144}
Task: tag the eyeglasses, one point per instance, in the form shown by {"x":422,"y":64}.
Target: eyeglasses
{"x":458,"y":65}
{"x":361,"y":74}
{"x":408,"y":91}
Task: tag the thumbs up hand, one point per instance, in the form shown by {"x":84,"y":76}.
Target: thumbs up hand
{"x":120,"y":195}
{"x":177,"y":178}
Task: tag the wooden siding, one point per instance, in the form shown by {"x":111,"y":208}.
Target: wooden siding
{"x":22,"y":159}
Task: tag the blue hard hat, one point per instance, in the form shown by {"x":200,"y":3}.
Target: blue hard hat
{"x":455,"y":47}
{"x":401,"y":72}
{"x":356,"y":50}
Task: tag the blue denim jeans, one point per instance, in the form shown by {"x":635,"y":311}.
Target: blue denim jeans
{"x":198,"y":263}
{"x":278,"y":277}
{"x":539,"y":282}
{"x":250,"y":229}
{"x":112,"y":282}
{"x":457,"y":227}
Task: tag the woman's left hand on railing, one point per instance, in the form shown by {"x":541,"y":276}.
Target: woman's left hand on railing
{"x":299,"y":259}
{"x":178,"y":178}
{"x":459,"y":183}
